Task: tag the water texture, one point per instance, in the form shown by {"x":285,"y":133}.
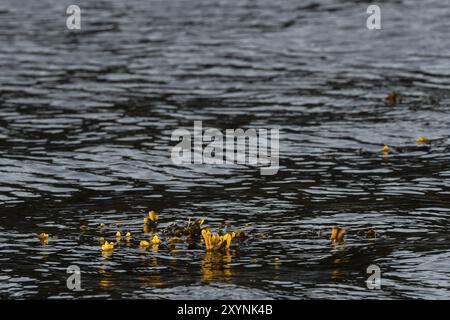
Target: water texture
{"x":86,"y":119}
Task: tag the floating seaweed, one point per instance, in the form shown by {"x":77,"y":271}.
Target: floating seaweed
{"x":108,"y":246}
{"x":370,"y":234}
{"x":217,"y":242}
{"x":193,"y":232}
{"x":393,"y":98}
{"x":43,"y":238}
{"x":173,"y":230}
{"x":421,"y":140}
{"x":144,"y":244}
{"x":151,"y":219}
{"x":337,"y":235}
{"x":155,"y":240}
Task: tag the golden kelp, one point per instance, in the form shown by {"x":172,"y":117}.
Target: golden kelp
{"x":337,"y":234}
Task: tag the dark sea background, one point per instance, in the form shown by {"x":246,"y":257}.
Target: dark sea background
{"x":86,"y":119}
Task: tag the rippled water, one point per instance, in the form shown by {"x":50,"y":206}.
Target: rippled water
{"x":85,"y":125}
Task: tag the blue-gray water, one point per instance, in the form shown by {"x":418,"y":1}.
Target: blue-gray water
{"x":85,"y":124}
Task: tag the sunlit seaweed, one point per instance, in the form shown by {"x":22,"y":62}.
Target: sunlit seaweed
{"x":337,"y":235}
{"x":144,"y":244}
{"x":215,"y":241}
{"x":156,"y":240}
{"x":151,"y":219}
{"x":43,"y":238}
{"x":108,"y":246}
{"x":421,"y":140}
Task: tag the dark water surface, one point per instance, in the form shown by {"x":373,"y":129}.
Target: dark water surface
{"x":85,"y":125}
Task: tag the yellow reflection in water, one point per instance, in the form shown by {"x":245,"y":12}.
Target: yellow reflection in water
{"x":341,"y":259}
{"x":216,"y":266}
{"x":105,"y":279}
{"x":276,"y":263}
{"x":153,"y":279}
{"x":337,"y":274}
{"x":149,"y":229}
{"x":106,"y":254}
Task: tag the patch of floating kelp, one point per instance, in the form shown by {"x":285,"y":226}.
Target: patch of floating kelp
{"x":337,"y":234}
{"x":422,"y":145}
{"x":193,"y":234}
{"x":219,"y":246}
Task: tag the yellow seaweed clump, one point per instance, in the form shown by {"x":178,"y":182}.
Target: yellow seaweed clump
{"x":422,"y":139}
{"x":108,"y":246}
{"x":151,"y":220}
{"x":217,"y":242}
{"x":144,"y":244}
{"x":337,"y":235}
{"x":43,"y":238}
{"x":155,"y":240}
{"x":153,"y":217}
